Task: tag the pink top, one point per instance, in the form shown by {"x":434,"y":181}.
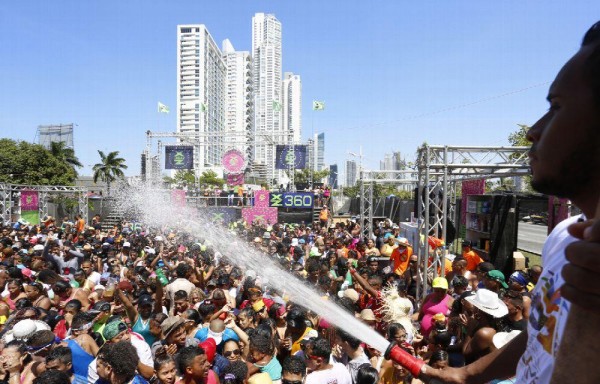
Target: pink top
{"x":429,"y":310}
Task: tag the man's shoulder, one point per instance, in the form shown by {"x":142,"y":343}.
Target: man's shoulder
{"x":559,"y":238}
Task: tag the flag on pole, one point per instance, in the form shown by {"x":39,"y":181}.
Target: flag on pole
{"x":276,"y":106}
{"x":318,"y":105}
{"x":162,"y":108}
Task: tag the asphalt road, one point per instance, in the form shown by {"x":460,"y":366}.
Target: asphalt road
{"x":531,"y":237}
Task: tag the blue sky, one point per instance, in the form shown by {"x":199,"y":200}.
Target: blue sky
{"x":393,"y":74}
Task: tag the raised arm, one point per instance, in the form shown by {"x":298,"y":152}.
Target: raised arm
{"x":500,"y":364}
{"x":363,"y":283}
{"x":132,"y":312}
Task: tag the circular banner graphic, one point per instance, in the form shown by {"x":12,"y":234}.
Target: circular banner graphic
{"x":234,"y":161}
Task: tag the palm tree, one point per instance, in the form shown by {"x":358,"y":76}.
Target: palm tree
{"x":109,"y":168}
{"x":65,"y":154}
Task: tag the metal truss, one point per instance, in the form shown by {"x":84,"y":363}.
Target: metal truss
{"x":367,"y":182}
{"x":8,"y":191}
{"x":440,"y":169}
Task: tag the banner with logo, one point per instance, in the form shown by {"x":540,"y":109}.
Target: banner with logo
{"x":286,"y":156}
{"x":235,"y":179}
{"x":29,"y":200}
{"x":179,"y":157}
{"x":261,"y":199}
{"x":260,"y":215}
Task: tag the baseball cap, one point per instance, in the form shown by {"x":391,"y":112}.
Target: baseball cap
{"x":258,"y":305}
{"x":112,"y":329}
{"x":145,"y":300}
{"x":440,"y":282}
{"x":495,"y":274}
{"x":126,"y":244}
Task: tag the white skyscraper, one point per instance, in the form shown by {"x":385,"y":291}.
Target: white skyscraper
{"x":351,"y":173}
{"x":201,"y":73}
{"x":292,"y":106}
{"x":239,"y":111}
{"x":266,"y":56}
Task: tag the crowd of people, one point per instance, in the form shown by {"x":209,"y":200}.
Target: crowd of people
{"x":135,"y":304}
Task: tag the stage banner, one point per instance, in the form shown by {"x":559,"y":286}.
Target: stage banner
{"x":32,"y":217}
{"x":470,"y":187}
{"x":260,"y":215}
{"x":178,"y":198}
{"x":235,"y":179}
{"x":29,"y":200}
{"x":286,"y":157}
{"x":179,"y":157}
{"x":261,"y":199}
{"x":221,"y":215}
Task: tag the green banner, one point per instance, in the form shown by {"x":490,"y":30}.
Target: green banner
{"x":32,"y":217}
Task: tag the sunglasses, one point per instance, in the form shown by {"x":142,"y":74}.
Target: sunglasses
{"x":284,"y":381}
{"x":235,"y":352}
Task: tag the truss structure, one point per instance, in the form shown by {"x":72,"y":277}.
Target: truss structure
{"x":10,"y":198}
{"x":440,"y":168}
{"x":367,"y":182}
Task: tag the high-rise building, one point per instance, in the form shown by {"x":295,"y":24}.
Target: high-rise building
{"x":351,"y":173}
{"x":292,"y":106}
{"x":239,"y":112}
{"x":319,"y":151}
{"x":332,"y":180}
{"x":392,"y":162}
{"x":201,"y":73}
{"x":266,"y":56}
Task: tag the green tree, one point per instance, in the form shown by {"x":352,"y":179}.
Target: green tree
{"x":32,"y":164}
{"x":304,"y":175}
{"x":109,"y":169}
{"x":65,"y":154}
{"x":182,"y":176}
{"x":517,"y":139}
{"x":209,"y":178}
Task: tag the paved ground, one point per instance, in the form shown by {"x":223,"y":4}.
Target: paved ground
{"x":531,"y":237}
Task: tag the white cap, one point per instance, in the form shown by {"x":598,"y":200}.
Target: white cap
{"x":38,"y":247}
{"x":158,"y":238}
{"x":127,"y":244}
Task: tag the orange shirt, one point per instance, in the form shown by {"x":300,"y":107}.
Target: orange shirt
{"x":472,"y":259}
{"x":400,"y":258}
{"x":447,"y":267}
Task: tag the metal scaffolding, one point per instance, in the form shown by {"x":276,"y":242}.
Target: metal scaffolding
{"x":367,"y":182}
{"x":440,"y":168}
{"x":10,"y":198}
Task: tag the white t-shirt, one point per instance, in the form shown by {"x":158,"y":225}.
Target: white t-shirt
{"x":338,"y":374}
{"x":141,"y":347}
{"x":95,"y":277}
{"x":549,"y":310}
